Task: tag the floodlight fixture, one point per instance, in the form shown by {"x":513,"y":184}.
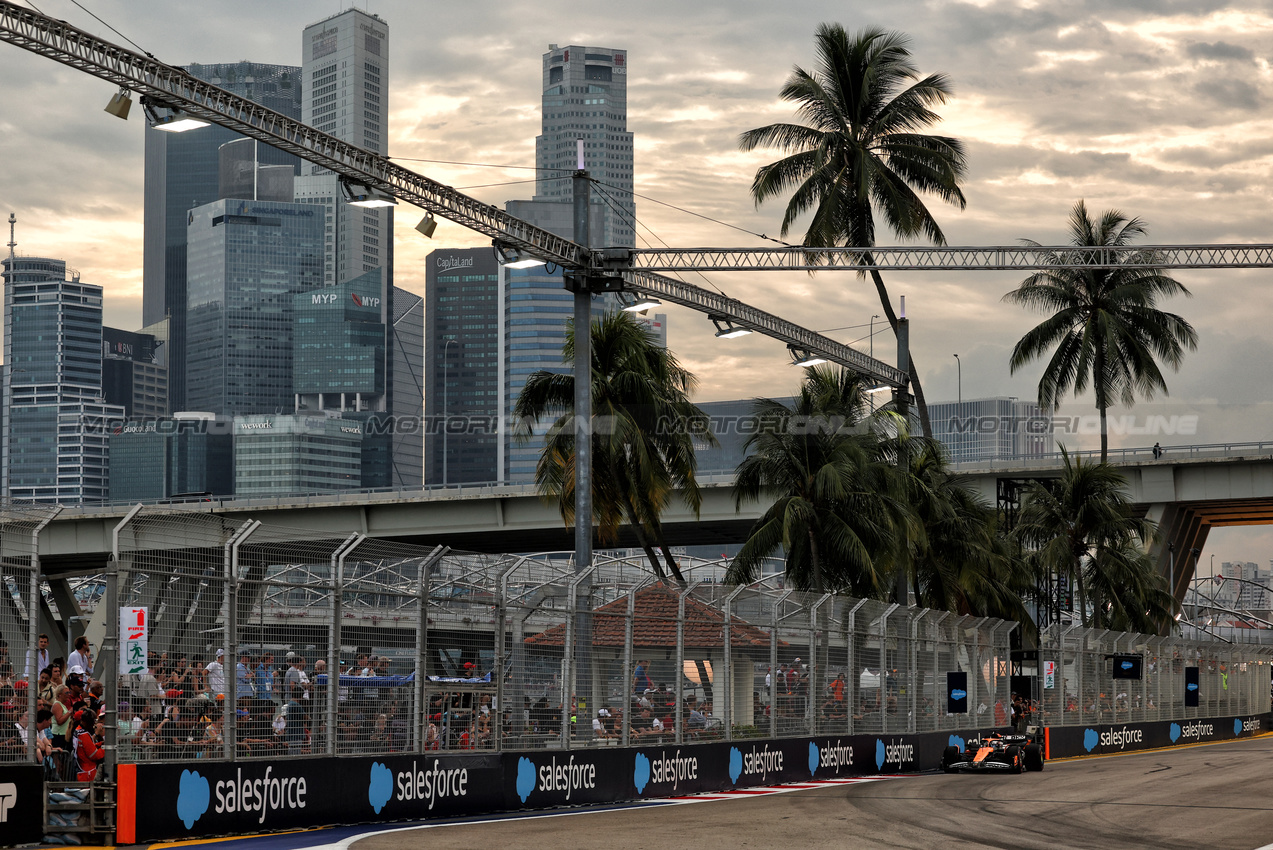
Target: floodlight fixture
{"x":511,"y":257}
{"x":725,"y":329}
{"x":358,"y":195}
{"x":637,"y":302}
{"x":880,"y":389}
{"x":804,"y":357}
{"x":121,"y":102}
{"x":175,"y":121}
{"x":427,"y":225}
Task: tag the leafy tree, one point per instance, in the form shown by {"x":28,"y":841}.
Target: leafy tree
{"x":1105,"y":329}
{"x":860,"y":151}
{"x":644,"y":426}
{"x":1084,"y":528}
{"x":835,"y":512}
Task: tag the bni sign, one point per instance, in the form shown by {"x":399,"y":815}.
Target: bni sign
{"x":132,"y":640}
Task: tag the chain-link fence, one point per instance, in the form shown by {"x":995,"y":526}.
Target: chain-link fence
{"x":268,"y":642}
{"x":1087,"y":676}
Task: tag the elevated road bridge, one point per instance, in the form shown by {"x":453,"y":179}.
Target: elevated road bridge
{"x":1188,"y":491}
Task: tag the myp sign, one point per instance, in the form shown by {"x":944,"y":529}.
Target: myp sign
{"x":957,"y":693}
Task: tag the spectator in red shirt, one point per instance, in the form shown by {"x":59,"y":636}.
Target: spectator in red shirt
{"x":89,"y":751}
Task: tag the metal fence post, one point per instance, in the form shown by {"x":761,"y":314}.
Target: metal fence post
{"x":728,"y":665}
{"x":773,"y":665}
{"x":627,"y":666}
{"x":333,"y":636}
{"x":110,"y":659}
{"x":422,"y":647}
{"x":33,"y":632}
{"x":229,"y":724}
{"x":680,"y":660}
{"x":853,"y":685}
{"x":501,"y":654}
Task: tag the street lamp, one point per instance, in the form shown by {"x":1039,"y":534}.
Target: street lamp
{"x":959,"y":365}
{"x":446,"y":372}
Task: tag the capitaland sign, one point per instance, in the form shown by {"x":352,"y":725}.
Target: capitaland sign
{"x":448,"y":263}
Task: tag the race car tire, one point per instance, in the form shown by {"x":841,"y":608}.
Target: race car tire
{"x":948,"y":757}
{"x":1015,"y":759}
{"x":1033,"y":757}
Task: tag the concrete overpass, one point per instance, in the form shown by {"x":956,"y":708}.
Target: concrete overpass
{"x":1187,"y":492}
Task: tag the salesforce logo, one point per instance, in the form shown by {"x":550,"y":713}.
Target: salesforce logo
{"x":956,"y":742}
{"x":1197,"y":731}
{"x":1192,"y":686}
{"x":762,"y":762}
{"x":525,"y":778}
{"x":1237,"y":726}
{"x":1252,"y":725}
{"x":894,"y":752}
{"x":193,"y":796}
{"x":1120,"y":738}
{"x":380,"y":788}
{"x":640,"y":773}
{"x":958,"y":694}
{"x":1174,"y":732}
{"x":1127,"y":665}
{"x":831,"y":756}
{"x":1090,"y":739}
{"x":553,"y":777}
{"x":427,"y":786}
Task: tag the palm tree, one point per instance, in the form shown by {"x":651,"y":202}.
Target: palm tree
{"x":860,"y":151}
{"x":835,"y":514}
{"x":956,"y":559}
{"x":1106,"y":329}
{"x":1084,"y":528}
{"x":643,"y":434}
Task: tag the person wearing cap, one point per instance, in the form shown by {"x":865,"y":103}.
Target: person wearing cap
{"x":82,"y":657}
{"x":599,"y":724}
{"x":216,"y":674}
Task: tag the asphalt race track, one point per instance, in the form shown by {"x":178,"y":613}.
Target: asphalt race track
{"x":1212,"y":796}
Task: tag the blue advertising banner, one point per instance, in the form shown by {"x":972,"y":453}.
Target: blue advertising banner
{"x":957,"y":693}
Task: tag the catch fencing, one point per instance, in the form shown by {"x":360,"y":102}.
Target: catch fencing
{"x":356,"y":645}
{"x":1076,"y":682}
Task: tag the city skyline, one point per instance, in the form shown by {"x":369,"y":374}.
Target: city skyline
{"x":1154,"y":111}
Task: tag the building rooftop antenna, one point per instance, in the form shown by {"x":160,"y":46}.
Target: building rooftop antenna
{"x":13,"y":219}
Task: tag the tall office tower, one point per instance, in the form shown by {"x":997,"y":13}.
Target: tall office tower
{"x":247,"y":261}
{"x":133,"y":373}
{"x":462,"y":347}
{"x":346,"y":94}
{"x":407,"y":393}
{"x":990,"y":428}
{"x":56,"y":424}
{"x":189,"y":454}
{"x":338,"y":347}
{"x":182,"y":172}
{"x":585,"y":96}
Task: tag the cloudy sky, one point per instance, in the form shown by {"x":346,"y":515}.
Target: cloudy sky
{"x":1159,"y":109}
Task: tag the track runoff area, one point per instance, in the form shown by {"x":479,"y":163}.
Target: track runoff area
{"x":1215,"y":795}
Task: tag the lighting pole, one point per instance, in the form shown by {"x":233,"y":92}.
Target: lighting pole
{"x":446,"y":373}
{"x":959,"y":365}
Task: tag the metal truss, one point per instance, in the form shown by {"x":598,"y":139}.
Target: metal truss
{"x":998,"y":258}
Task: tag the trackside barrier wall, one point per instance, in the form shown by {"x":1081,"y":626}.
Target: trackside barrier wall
{"x":179,"y":801}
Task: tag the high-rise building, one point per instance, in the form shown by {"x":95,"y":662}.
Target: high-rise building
{"x":296,"y":454}
{"x":190,"y":454}
{"x":585,"y":96}
{"x":346,"y":94}
{"x":54,"y":445}
{"x":182,"y":171}
{"x":406,"y":395}
{"x":134,"y":371}
{"x":991,"y":428}
{"x":338,"y":347}
{"x":462,"y":308}
{"x":247,"y":261}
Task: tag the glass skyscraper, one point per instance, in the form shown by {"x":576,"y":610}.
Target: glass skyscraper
{"x":463,"y":390}
{"x":247,"y":261}
{"x":338,"y":346}
{"x":406,"y":405}
{"x":55,"y":436}
{"x":182,"y":171}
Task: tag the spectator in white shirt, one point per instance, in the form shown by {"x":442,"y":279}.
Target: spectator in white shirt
{"x":216,"y":675}
{"x":82,"y":657}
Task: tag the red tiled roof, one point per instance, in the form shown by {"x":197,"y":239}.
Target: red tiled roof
{"x":654,"y":624}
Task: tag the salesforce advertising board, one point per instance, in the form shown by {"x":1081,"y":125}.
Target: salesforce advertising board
{"x":1110,"y":738}
{"x":211,"y":798}
{"x":208,"y":798}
